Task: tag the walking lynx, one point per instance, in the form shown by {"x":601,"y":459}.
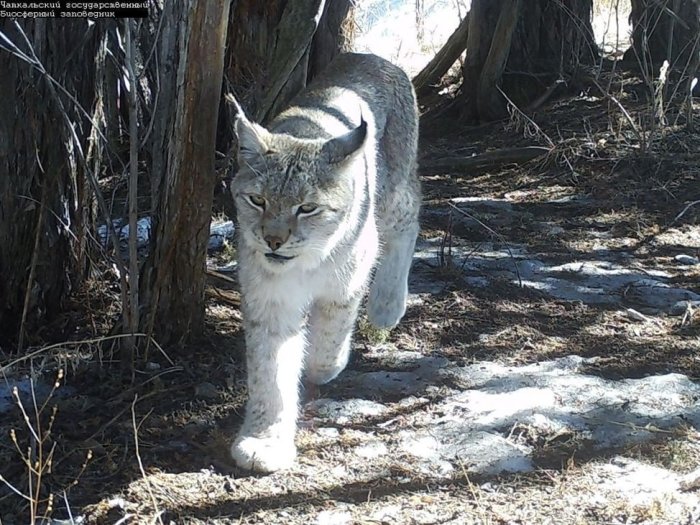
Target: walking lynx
{"x":325,"y":192}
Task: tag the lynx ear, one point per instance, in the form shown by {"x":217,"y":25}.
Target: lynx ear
{"x":338,"y":149}
{"x":253,"y":139}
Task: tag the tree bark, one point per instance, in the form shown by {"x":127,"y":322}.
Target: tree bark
{"x":42,"y":197}
{"x":277,"y":46}
{"x":191,"y":65}
{"x":331,"y":37}
{"x":294,"y":36}
{"x":521,"y":55}
{"x":488,"y":98}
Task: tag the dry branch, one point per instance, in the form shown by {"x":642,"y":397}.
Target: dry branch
{"x":131,"y":312}
{"x":443,"y":60}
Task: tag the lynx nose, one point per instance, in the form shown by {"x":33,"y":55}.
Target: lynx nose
{"x":274,"y":242}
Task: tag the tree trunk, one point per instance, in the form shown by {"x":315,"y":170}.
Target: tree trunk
{"x":277,"y":46}
{"x":332,"y":37}
{"x":191,"y":51}
{"x":431,"y":74}
{"x":489,"y":100}
{"x":44,"y":205}
{"x":667,"y":30}
{"x":520,"y":47}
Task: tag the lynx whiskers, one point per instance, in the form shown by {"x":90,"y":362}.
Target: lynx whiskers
{"x":324,"y":194}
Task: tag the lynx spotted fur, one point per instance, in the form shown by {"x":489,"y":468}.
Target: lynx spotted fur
{"x":323,"y":194}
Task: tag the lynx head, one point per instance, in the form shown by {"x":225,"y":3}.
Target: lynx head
{"x":294,"y":196}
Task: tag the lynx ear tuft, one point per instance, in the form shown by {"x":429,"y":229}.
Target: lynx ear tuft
{"x":253,"y":139}
{"x":231,"y":99}
{"x":338,"y":149}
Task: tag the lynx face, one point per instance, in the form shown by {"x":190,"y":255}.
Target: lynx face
{"x":294,"y":196}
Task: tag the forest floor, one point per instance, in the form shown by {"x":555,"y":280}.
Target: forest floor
{"x":547,"y":370}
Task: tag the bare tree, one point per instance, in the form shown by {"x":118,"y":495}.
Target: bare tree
{"x":190,"y":66}
{"x":518,"y":47}
{"x":664,"y":30}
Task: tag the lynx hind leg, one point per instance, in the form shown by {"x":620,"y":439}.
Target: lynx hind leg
{"x":329,"y":334}
{"x":387,"y":295}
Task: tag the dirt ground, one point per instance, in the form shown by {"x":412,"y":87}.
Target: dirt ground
{"x":156,"y":449}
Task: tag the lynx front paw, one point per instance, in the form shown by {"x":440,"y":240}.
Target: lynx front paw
{"x":385,"y":308}
{"x":320,"y":374}
{"x":263,"y":454}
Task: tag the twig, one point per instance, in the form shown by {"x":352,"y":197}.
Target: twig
{"x":36,"y":64}
{"x":683,"y":212}
{"x":121,"y":412}
{"x":32,"y":266}
{"x":627,"y":116}
{"x":131,"y":315}
{"x":70,"y":128}
{"x":515,"y":108}
{"x":59,"y":345}
{"x":14,"y":489}
{"x":138,"y":457}
{"x":544,"y":97}
{"x":494,"y":232}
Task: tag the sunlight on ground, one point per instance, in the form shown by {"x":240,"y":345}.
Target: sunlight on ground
{"x":611,"y":25}
{"x":389,"y":29}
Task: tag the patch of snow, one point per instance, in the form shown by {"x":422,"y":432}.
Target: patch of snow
{"x":328,"y":432}
{"x":591,"y":282}
{"x":641,"y":483}
{"x":688,"y":260}
{"x":334,"y":517}
{"x":372,"y":450}
{"x":346,"y":410}
{"x":121,"y":227}
{"x":219,"y":231}
{"x":472,"y":428}
{"x":42,"y":389}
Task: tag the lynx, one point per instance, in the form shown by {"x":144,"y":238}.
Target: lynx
{"x":323,"y":193}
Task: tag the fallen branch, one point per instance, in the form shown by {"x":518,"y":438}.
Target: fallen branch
{"x":544,"y":97}
{"x":489,"y":159}
{"x":683,"y":212}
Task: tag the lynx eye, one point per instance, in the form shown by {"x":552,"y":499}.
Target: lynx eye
{"x":307,"y":209}
{"x":257,"y":201}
